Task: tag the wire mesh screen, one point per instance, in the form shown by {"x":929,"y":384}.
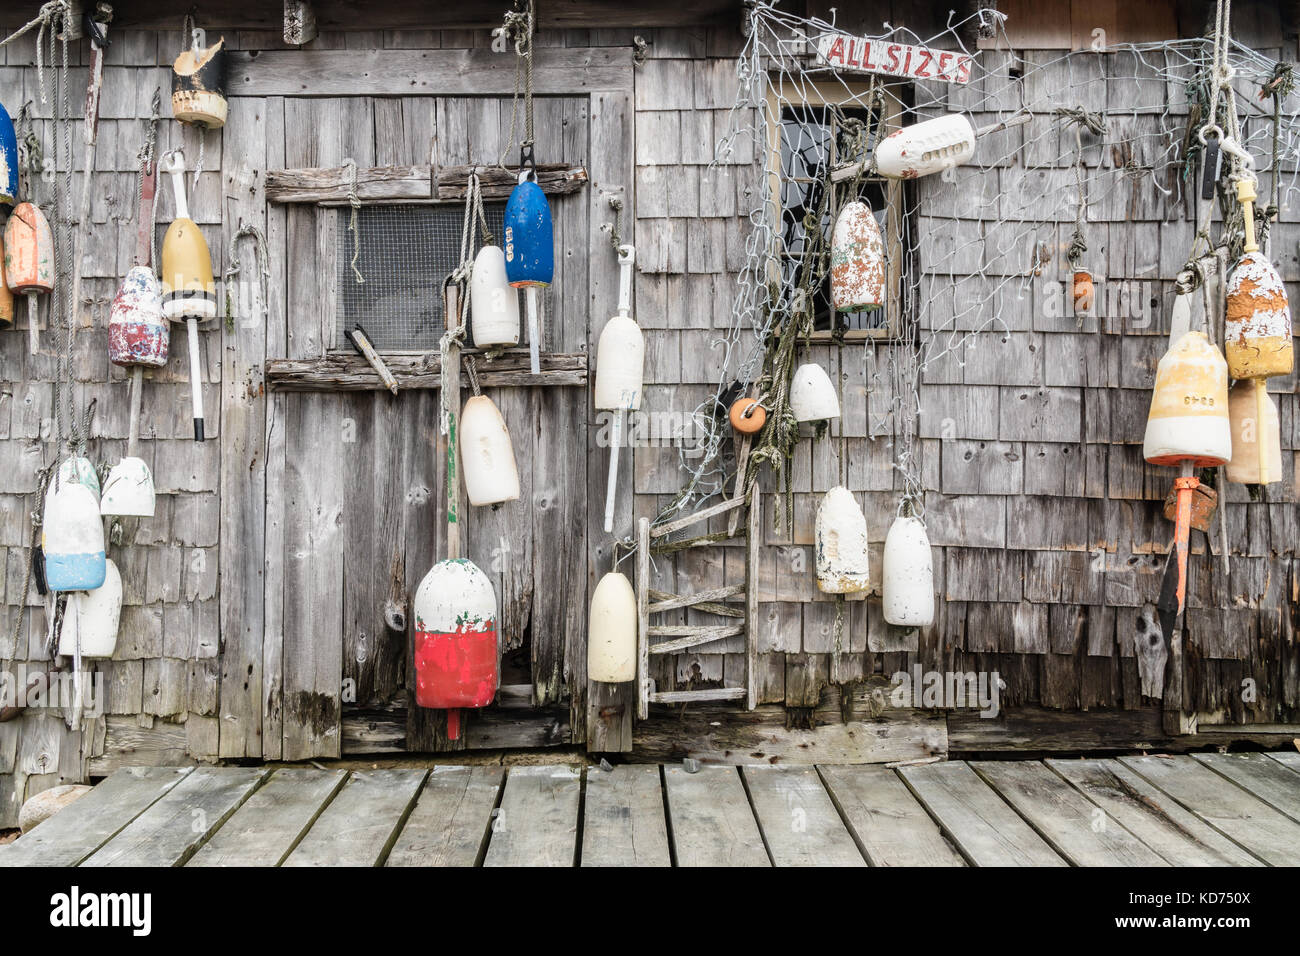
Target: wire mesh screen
{"x":406,"y":253}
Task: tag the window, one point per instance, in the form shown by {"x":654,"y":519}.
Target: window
{"x":814,"y":134}
{"x":407,"y":252}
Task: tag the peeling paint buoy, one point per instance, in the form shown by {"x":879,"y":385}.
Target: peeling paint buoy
{"x":457,"y":654}
{"x":488,"y":459}
{"x":812,"y":396}
{"x":72,"y":538}
{"x":199,"y":84}
{"x":611,"y":631}
{"x":857,"y":261}
{"x":841,"y":544}
{"x":907,"y":577}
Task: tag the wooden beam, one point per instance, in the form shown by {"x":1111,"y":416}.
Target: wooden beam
{"x":348,"y":372}
{"x":671,"y":602}
{"x":557,"y":71}
{"x":412,"y":184}
{"x":699,"y":516}
{"x":299,"y":22}
{"x":688,"y":696}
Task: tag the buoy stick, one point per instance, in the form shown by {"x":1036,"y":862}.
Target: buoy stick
{"x":1185,"y":483}
{"x":133,"y":429}
{"x":1261,"y":397}
{"x":33,"y":333}
{"x":534,"y":343}
{"x":196,"y":378}
{"x":451,"y":402}
{"x":616,"y":439}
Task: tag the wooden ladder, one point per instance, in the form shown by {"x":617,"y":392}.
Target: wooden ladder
{"x":674,"y":638}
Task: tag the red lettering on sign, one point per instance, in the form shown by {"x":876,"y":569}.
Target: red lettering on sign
{"x":926,"y":58}
{"x":944,"y":60}
{"x":836,"y":51}
{"x":892,"y":51}
{"x":963,"y":70}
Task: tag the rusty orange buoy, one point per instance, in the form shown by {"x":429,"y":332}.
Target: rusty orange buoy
{"x":1084,"y":290}
{"x":747,"y":415}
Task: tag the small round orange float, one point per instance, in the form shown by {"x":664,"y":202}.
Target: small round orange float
{"x":747,"y":415}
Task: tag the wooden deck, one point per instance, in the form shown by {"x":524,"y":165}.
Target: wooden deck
{"x":1206,"y":810}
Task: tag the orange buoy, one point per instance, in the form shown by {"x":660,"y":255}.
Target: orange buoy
{"x":747,"y":415}
{"x":1084,"y":290}
{"x":29,"y":260}
{"x":6,"y":297}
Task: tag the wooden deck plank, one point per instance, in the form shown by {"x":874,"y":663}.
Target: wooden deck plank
{"x":798,"y":820}
{"x":887,"y":823}
{"x":449,"y":825}
{"x":1266,"y":779}
{"x":1177,"y":834}
{"x":359,"y":825}
{"x":1265,"y":832}
{"x":1287,"y":758}
{"x":712,"y":822}
{"x":976,"y":819}
{"x":623,"y":822}
{"x":79,"y":830}
{"x":538,"y":820}
{"x":170,"y":830}
{"x":1072,"y":824}
{"x":269,"y":825}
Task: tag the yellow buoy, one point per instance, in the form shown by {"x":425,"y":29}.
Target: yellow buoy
{"x":1251,"y":432}
{"x":1188,"y":421}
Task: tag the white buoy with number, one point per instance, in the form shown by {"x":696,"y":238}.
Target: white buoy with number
{"x":927,"y":147}
{"x":494,"y":305}
{"x":841,"y":544}
{"x":620,"y":369}
{"x":1188,"y":420}
{"x":812,"y":396}
{"x":91,"y":619}
{"x":487,"y":457}
{"x":611,"y":631}
{"x":189,"y":290}
{"x":907,"y":576}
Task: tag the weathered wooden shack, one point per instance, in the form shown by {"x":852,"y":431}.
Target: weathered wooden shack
{"x":267,"y":601}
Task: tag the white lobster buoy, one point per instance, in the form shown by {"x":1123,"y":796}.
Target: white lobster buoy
{"x":72,"y":538}
{"x":857,"y":261}
{"x":620,"y":361}
{"x":129,"y":490}
{"x":841,"y":537}
{"x":457,"y":653}
{"x":79,"y":469}
{"x":611,"y":631}
{"x":494,"y":305}
{"x":488,"y":459}
{"x":925,"y":148}
{"x":907,"y":578}
{"x":812,"y":396}
{"x":1189,"y":406}
{"x":1249,"y":431}
{"x":92,"y":617}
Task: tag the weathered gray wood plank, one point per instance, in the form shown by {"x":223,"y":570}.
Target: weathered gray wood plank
{"x":712,"y":821}
{"x":449,"y":825}
{"x":170,"y":830}
{"x":538,"y":820}
{"x":79,"y":830}
{"x":890,"y":827}
{"x":1257,"y":827}
{"x":1266,"y":779}
{"x":799,"y":822}
{"x":623,"y":821}
{"x":476,"y":72}
{"x":1074,"y":826}
{"x":1153,"y":817}
{"x":984,"y":828}
{"x":359,"y":825}
{"x":269,"y":825}
{"x":1289,"y":759}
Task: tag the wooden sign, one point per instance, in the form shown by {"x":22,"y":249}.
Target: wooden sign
{"x":851,"y":54}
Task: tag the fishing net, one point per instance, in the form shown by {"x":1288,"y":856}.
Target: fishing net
{"x":974,"y":248}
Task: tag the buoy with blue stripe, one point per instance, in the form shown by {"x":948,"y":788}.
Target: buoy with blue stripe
{"x":91,"y":619}
{"x":72,"y":537}
{"x":529,"y":247}
{"x":8,"y":160}
{"x":620,"y":368}
{"x":189,"y":291}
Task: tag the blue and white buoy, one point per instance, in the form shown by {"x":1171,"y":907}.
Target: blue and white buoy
{"x":530,"y":248}
{"x":8,"y":160}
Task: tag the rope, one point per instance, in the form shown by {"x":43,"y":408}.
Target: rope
{"x":354,"y":201}
{"x":453,"y":337}
{"x":1094,"y":123}
{"x":519,"y":24}
{"x":615,"y":229}
{"x":472,"y":370}
{"x":248,"y":230}
{"x":52,"y":13}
